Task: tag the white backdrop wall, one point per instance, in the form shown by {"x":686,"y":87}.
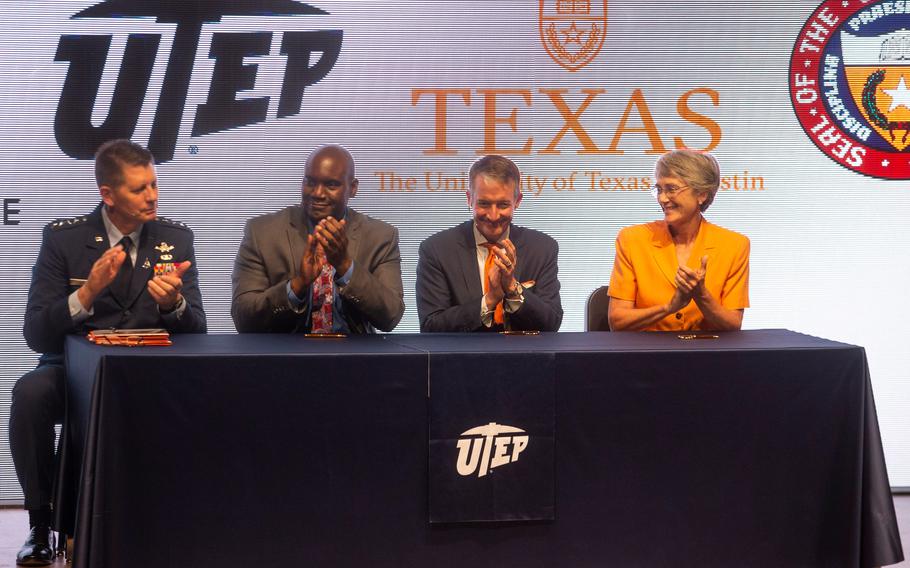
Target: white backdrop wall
{"x":829,"y":245}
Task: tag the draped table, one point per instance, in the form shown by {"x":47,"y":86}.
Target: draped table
{"x":758,"y":448}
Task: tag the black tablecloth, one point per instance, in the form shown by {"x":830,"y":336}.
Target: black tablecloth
{"x":760,"y":448}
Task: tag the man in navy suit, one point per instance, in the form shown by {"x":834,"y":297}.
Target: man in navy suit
{"x":119,"y":266}
{"x":488,"y":274}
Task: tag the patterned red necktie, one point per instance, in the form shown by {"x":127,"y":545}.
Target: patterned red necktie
{"x":323,"y":300}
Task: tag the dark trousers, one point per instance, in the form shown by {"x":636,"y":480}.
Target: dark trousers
{"x":38,"y":404}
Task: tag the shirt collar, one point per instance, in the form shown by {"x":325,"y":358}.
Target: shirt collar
{"x":113,"y":233}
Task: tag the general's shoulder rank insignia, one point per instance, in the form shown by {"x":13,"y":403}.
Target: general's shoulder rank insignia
{"x":67,"y":223}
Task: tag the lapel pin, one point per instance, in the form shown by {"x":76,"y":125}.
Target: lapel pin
{"x":146,"y":264}
{"x":99,"y":239}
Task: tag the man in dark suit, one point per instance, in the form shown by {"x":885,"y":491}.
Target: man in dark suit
{"x":119,"y":266}
{"x":319,"y":267}
{"x":488,"y":274}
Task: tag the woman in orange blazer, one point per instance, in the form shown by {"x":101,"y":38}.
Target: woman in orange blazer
{"x":680,"y":273}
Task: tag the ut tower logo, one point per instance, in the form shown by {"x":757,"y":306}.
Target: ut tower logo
{"x":486,"y":447}
{"x":78,"y":137}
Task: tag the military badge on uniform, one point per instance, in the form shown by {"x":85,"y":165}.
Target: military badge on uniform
{"x":163,"y":268}
{"x":165,"y":250}
{"x":166,"y":267}
{"x":146,"y":264}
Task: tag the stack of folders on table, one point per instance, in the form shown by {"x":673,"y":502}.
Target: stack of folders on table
{"x":130,"y":337}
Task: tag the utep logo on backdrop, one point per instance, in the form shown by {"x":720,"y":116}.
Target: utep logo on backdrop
{"x":573,"y":31}
{"x":484,"y":448}
{"x":850,"y":84}
{"x":86,"y":54}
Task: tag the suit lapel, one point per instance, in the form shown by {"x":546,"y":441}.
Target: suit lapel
{"x":704,"y":245}
{"x":296,"y":235}
{"x":467,"y":259}
{"x":664,"y":252}
{"x":97,"y":241}
{"x":516,"y":235}
{"x":353,"y":232}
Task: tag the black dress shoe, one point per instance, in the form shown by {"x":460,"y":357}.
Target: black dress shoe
{"x":38,"y":549}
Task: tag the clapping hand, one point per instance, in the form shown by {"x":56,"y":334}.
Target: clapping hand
{"x":310,"y":266}
{"x":494,"y":292}
{"x":689,"y":283}
{"x":331,"y":234}
{"x":165,"y":289}
{"x":102,"y":274}
{"x":505,"y":259}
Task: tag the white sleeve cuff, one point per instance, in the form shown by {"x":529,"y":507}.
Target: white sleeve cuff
{"x":77,"y":311}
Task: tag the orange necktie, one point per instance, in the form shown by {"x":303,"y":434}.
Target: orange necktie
{"x":487,"y":267}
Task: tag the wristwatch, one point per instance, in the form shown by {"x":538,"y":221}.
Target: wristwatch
{"x":175,"y":307}
{"x":516,"y":292}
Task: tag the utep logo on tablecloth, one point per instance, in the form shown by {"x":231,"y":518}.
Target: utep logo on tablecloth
{"x":484,"y":448}
{"x":492,"y":437}
{"x":87,"y":54}
{"x":573,"y":31}
{"x":850,"y":84}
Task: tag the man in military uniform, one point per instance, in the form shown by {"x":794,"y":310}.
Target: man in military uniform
{"x":120,"y":266}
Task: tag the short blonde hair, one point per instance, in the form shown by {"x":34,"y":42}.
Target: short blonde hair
{"x":699,"y":170}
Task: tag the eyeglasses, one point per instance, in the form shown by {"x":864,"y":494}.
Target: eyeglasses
{"x":669,"y":191}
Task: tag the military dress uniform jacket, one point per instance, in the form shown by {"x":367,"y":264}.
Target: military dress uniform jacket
{"x":70,"y":247}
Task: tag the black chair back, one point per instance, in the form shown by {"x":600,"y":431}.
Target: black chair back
{"x":596,"y":310}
